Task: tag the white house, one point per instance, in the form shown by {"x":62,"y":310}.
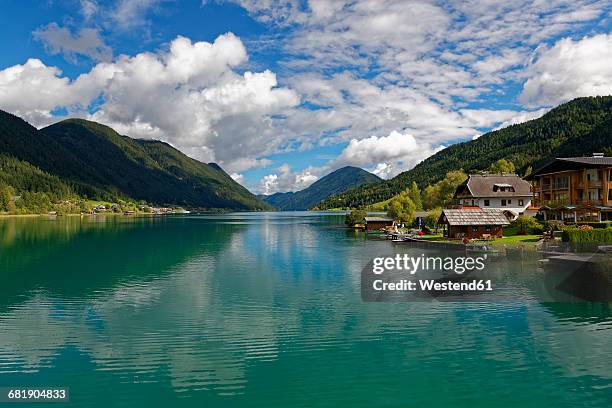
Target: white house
{"x":506,"y":192}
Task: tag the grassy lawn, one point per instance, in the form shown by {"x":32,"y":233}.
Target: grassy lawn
{"x":511,"y":238}
{"x":516,"y":239}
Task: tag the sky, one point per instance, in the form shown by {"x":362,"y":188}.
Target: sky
{"x":281,"y":92}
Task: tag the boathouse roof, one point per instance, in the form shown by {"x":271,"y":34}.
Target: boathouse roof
{"x":378,"y":219}
{"x":473,"y":216}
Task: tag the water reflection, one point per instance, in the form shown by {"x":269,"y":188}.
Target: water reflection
{"x":258,"y":310}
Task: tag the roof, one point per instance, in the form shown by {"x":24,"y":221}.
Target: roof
{"x":378,"y":219}
{"x":482,"y":186}
{"x":595,"y":160}
{"x":571,"y":163}
{"x":482,"y":216}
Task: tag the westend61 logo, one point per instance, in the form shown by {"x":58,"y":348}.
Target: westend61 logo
{"x":403,"y":277}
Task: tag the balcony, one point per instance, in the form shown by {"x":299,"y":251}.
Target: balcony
{"x":594,"y":183}
{"x":589,"y":202}
{"x":553,"y":186}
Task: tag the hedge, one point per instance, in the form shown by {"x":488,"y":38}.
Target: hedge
{"x":577,"y":236}
{"x":594,"y":224}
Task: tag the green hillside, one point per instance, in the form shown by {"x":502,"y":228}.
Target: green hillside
{"x":576,"y":128}
{"x":333,"y":183}
{"x":94,"y":161}
{"x":26,"y":188}
{"x":203,"y":178}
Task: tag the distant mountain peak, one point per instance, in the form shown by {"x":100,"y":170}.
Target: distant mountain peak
{"x":336,"y":182}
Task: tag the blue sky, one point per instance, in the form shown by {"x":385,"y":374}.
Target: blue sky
{"x":280,"y":92}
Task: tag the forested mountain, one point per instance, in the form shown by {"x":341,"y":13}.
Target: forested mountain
{"x":334,"y":183}
{"x":576,"y":128}
{"x":92,"y":160}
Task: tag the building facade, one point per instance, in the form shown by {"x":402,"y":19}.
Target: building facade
{"x":378,"y":223}
{"x":574,"y":189}
{"x":473,"y":222}
{"x":506,"y":192}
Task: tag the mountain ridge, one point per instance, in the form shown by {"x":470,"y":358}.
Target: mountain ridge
{"x":335,"y":182}
{"x":96,"y":161}
{"x":578,"y":127}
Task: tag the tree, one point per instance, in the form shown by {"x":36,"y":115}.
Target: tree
{"x":6,"y":197}
{"x":502,"y":166}
{"x":441,"y":194}
{"x":415,"y":195}
{"x":355,"y":217}
{"x":448,"y":186}
{"x":402,"y":208}
{"x":433,"y":216}
{"x":430,"y":197}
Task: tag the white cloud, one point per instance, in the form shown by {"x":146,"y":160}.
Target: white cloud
{"x":522,"y":117}
{"x":269,"y":184}
{"x":32,"y":90}
{"x":387,"y":155}
{"x":397,"y":34}
{"x":61,"y":40}
{"x":121,"y":15}
{"x":238,"y":178}
{"x":284,"y":179}
{"x":189,"y":96}
{"x":570,"y":69}
{"x":88,"y":9}
{"x":130,"y":13}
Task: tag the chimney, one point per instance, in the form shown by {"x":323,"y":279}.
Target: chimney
{"x":598,"y":155}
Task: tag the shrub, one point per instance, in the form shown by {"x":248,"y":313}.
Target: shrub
{"x":526,"y":225}
{"x":594,"y":224}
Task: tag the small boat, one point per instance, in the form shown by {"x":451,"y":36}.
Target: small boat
{"x":414,"y":238}
{"x":481,"y":249}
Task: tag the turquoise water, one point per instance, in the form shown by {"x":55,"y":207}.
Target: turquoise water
{"x":264,"y":310}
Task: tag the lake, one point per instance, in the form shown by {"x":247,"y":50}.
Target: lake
{"x":265,"y":310}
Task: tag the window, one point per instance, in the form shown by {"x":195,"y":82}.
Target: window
{"x":503,"y":203}
{"x":521,"y":203}
{"x":475,"y":228}
{"x":509,"y":202}
{"x":561,"y":182}
{"x":488,"y":202}
{"x":592,"y":175}
{"x":488,"y":228}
